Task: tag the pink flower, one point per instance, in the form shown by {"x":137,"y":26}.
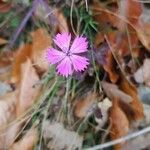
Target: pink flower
{"x":67,"y":58}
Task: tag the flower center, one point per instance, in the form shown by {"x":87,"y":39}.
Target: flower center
{"x":68,"y":53}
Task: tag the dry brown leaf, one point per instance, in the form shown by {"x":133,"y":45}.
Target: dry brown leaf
{"x":136,"y":104}
{"x":103,"y":17}
{"x":84,"y":105}
{"x":110,"y":67}
{"x":28,"y":92}
{"x":27,"y":142}
{"x":68,"y":140}
{"x":119,"y":123}
{"x":41,"y":40}
{"x":112,"y":91}
{"x":35,"y":51}
{"x":116,"y":18}
{"x":22,"y":54}
{"x":129,"y":10}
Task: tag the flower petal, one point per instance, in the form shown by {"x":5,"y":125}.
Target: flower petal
{"x":65,"y":67}
{"x":63,"y":41}
{"x":79,"y":63}
{"x":79,"y":45}
{"x":54,"y":56}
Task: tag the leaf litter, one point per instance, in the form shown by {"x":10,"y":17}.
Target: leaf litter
{"x":41,"y":109}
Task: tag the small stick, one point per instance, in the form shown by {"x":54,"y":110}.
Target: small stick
{"x":120,"y":140}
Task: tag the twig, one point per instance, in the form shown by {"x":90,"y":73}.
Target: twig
{"x":71,"y":17}
{"x":22,"y":25}
{"x":86,"y":3}
{"x":120,"y":140}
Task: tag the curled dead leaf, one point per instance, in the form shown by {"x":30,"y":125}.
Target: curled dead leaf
{"x":135,"y":104}
{"x":110,"y":67}
{"x":119,"y":123}
{"x":112,"y":91}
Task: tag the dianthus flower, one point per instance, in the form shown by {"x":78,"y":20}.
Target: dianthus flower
{"x":67,"y":56}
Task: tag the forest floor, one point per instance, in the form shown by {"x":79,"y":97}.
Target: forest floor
{"x":96,"y":96}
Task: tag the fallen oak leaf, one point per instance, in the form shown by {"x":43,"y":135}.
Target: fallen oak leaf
{"x":34,"y":51}
{"x":119,"y":122}
{"x":109,"y":67}
{"x":118,"y":39}
{"x":125,"y":100}
{"x":27,"y":92}
{"x":22,"y":54}
{"x":135,"y":104}
{"x":105,"y":58}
